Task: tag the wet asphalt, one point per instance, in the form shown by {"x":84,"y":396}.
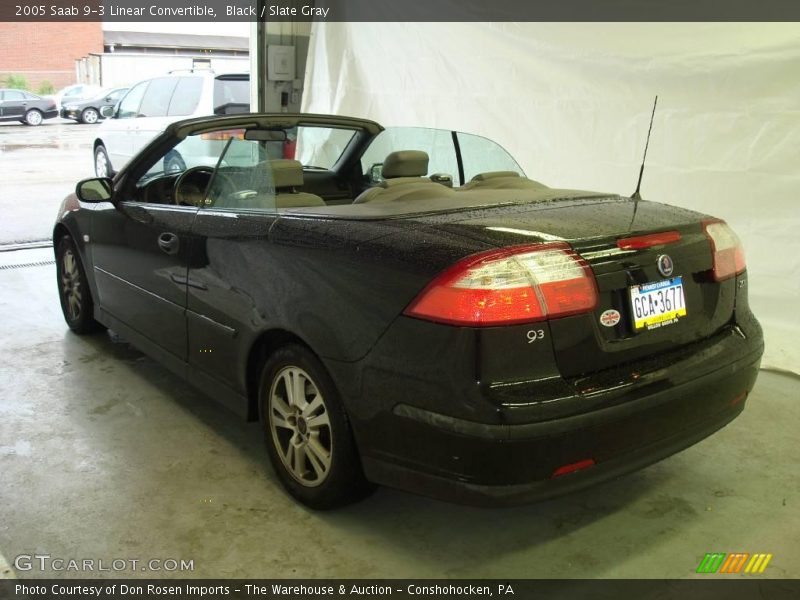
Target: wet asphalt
{"x":38,"y":167}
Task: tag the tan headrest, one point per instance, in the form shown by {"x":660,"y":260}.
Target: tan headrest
{"x":286,"y":173}
{"x":405,"y":163}
{"x":494,"y":175}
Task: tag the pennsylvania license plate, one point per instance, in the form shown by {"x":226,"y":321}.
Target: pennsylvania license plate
{"x":657,"y":304}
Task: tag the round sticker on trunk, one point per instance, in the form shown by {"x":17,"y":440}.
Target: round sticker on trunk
{"x":609,"y":318}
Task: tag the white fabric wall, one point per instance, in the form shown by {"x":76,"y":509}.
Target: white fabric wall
{"x":572,"y":101}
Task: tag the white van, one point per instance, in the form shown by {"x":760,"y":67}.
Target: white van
{"x":151,"y":105}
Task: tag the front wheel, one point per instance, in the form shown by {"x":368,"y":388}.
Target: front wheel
{"x":90,"y":116}
{"x":102,"y":165}
{"x":33,"y":117}
{"x":308,"y":435}
{"x":73,"y":289}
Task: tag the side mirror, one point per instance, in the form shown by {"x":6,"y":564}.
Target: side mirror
{"x":107,"y":111}
{"x":99,"y":189}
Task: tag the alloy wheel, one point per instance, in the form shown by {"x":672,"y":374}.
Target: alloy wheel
{"x":34,"y":117}
{"x":71,"y":285}
{"x":300,"y":426}
{"x":90,"y":116}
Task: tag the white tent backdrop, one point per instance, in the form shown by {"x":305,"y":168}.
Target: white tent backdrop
{"x":572,"y":102}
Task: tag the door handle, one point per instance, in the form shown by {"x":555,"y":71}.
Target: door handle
{"x":169,"y":243}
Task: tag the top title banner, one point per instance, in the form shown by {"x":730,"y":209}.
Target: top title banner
{"x":400,"y":10}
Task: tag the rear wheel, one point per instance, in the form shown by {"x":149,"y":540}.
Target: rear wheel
{"x":73,"y":289}
{"x":102,"y":165}
{"x":89,"y":116}
{"x":33,"y":117}
{"x":308,"y":435}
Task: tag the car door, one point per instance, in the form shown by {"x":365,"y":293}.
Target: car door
{"x":139,"y":252}
{"x":230,"y":262}
{"x":13,"y":104}
{"x":118,"y":132}
{"x":139,"y":255}
{"x":152,"y":118}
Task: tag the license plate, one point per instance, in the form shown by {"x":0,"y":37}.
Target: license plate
{"x":657,"y":304}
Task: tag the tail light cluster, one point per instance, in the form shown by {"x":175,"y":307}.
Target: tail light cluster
{"x":513,"y":285}
{"x":726,"y":248}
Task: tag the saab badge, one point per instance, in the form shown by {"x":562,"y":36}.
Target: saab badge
{"x":665,"y":265}
{"x":609,"y":318}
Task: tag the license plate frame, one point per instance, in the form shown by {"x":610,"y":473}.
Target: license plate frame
{"x":657,"y":303}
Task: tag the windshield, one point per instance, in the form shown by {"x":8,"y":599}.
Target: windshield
{"x":478,"y":155}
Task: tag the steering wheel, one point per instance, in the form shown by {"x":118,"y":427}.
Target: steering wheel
{"x":191,"y":187}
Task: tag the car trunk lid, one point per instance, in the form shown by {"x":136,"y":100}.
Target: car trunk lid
{"x":596,"y":228}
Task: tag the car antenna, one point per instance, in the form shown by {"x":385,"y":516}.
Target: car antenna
{"x":636,"y":195}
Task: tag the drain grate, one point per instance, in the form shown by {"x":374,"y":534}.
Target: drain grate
{"x":38,"y":263}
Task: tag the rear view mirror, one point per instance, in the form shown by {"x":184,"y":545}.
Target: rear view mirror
{"x":94,"y":190}
{"x":107,"y":111}
{"x":265,"y":135}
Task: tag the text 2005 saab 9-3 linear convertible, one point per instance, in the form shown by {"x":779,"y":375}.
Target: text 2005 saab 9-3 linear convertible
{"x":404,"y":307}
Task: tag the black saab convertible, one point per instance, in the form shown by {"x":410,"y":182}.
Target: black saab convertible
{"x":405,"y":307}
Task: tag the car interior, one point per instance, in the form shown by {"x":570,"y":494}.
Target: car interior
{"x":259,"y":170}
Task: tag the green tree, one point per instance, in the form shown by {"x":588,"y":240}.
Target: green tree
{"x":45,"y":87}
{"x":16,"y":81}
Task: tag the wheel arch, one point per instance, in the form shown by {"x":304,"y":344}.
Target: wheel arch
{"x":265,"y":344}
{"x":61,"y":229}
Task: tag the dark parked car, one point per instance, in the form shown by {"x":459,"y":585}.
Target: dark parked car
{"x":404,"y":307}
{"x":22,"y":106}
{"x":89,"y":111}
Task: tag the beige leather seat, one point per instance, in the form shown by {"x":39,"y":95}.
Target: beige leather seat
{"x":287,"y":176}
{"x":501,"y":180}
{"x":404,"y":174}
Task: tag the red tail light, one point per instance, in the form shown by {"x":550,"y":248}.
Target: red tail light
{"x":513,"y":285}
{"x":727,"y":249}
{"x":648,"y":241}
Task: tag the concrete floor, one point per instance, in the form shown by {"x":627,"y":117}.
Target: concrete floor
{"x":104,"y":455}
{"x":38,"y":167}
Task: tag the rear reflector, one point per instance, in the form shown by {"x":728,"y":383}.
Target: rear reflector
{"x":726,"y":248}
{"x":571,"y":468}
{"x":739,"y":399}
{"x":519,"y":284}
{"x":648,"y":241}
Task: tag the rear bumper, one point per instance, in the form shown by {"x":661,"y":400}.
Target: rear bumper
{"x":511,"y":463}
{"x":556,"y":444}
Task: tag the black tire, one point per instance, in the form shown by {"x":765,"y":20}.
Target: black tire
{"x":90,"y":116}
{"x":343,"y":482}
{"x":101,"y":158}
{"x":34,"y":117}
{"x":73,"y":289}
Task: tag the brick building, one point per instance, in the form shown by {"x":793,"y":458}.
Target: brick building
{"x":46,"y":51}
